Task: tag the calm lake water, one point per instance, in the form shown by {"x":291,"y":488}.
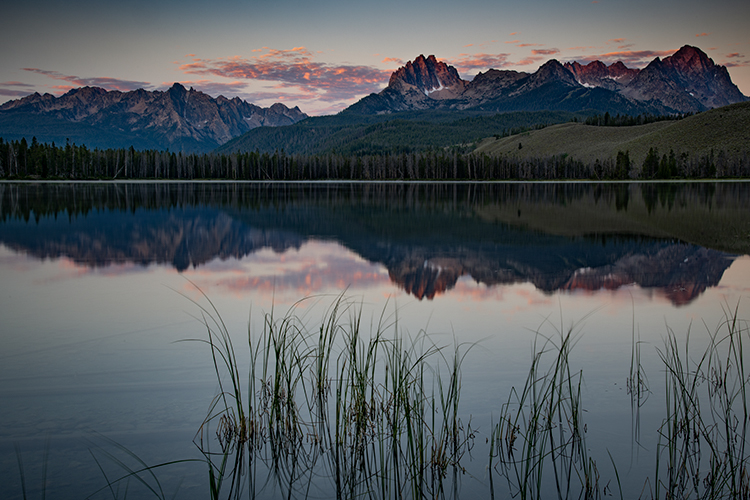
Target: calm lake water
{"x":99,"y":284}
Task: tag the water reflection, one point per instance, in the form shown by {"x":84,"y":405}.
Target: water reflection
{"x":93,"y":330}
{"x":675,"y":238}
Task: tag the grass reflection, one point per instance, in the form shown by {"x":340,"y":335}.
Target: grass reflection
{"x":329,"y":408}
{"x":332,"y":411}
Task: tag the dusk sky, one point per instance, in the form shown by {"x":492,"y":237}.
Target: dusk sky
{"x":323,"y":56}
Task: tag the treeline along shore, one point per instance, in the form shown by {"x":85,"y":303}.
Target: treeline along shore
{"x":21,"y":160}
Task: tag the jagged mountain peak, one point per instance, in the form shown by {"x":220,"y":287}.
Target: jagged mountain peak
{"x":551,"y":72}
{"x":554,"y":70}
{"x":688,"y":80}
{"x":688,"y":57}
{"x":427,"y":74}
{"x":598,"y":74}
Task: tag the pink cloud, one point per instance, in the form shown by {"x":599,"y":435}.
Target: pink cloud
{"x":702,"y":34}
{"x":529,"y":61}
{"x":394,"y":60}
{"x":631,"y":58}
{"x":734,"y":55}
{"x":22,"y":90}
{"x":103,"y":82}
{"x":315,"y":268}
{"x":530,"y":45}
{"x":545,"y":52}
{"x":471,"y":62}
{"x":16,"y":84}
{"x":295,"y":68}
{"x":13,"y":93}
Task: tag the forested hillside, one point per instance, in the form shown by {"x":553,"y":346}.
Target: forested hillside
{"x":405,"y":132}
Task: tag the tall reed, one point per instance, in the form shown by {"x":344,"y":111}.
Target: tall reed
{"x":703,"y":440}
{"x":333,"y":409}
{"x":340,"y":410}
{"x":538,"y":445}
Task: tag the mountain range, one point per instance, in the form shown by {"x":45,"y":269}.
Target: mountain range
{"x":688,"y":81}
{"x":425,"y":90}
{"x":177,"y":119}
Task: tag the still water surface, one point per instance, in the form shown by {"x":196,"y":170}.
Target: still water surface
{"x":97,"y":282}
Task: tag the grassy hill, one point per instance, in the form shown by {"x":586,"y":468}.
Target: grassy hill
{"x":723,"y":129}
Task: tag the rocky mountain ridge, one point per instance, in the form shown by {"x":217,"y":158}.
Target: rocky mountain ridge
{"x":686,"y":82}
{"x":177,"y":118}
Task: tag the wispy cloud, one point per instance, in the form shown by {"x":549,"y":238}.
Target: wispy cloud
{"x":15,"y":89}
{"x":528,"y":61}
{"x":580,"y":48}
{"x":620,"y":43}
{"x":295,"y":68}
{"x":394,"y":60}
{"x":17,"y":84}
{"x":735,"y":60}
{"x":631,"y":58}
{"x":103,"y":82}
{"x":466,"y":63}
{"x":545,"y":52}
{"x":702,"y":34}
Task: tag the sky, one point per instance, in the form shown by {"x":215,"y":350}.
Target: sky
{"x":325,"y":55}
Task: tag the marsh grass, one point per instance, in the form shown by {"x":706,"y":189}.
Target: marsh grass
{"x":349,"y":410}
{"x":637,"y":384}
{"x":538,"y":445}
{"x":702,"y":450}
{"x":333,"y":411}
{"x":22,"y":473}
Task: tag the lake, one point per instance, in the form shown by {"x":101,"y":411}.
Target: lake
{"x":108,"y":291}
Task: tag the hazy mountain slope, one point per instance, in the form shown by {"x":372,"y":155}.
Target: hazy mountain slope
{"x":176,"y":119}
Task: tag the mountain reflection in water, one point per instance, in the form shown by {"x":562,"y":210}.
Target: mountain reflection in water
{"x":677,"y":238}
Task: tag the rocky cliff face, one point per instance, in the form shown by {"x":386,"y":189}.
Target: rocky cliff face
{"x":430,"y":77}
{"x":597,"y":74}
{"x":687,"y":81}
{"x":177,"y":119}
